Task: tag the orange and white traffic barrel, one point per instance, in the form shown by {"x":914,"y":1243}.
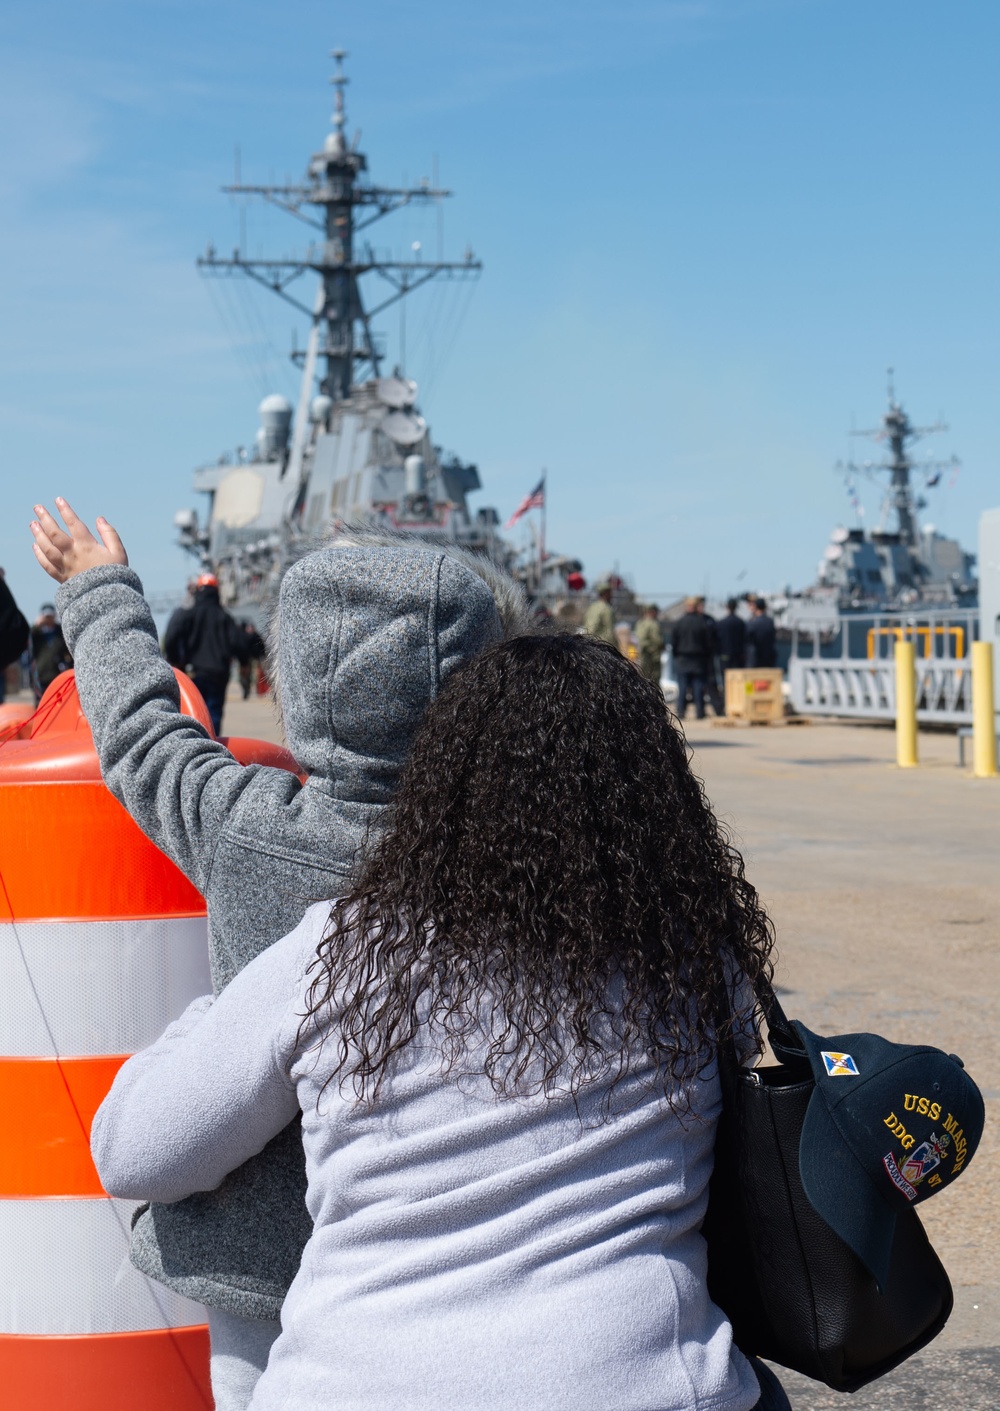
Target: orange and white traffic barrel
{"x":102,"y":943}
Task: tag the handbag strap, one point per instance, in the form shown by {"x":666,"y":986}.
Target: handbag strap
{"x":785,"y":1043}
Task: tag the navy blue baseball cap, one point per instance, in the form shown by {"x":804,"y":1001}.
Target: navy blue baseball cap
{"x":887,"y":1126}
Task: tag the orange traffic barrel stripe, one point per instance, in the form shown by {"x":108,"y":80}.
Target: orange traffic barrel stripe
{"x":163,"y":1370}
{"x":71,"y":850}
{"x":49,"y":1103}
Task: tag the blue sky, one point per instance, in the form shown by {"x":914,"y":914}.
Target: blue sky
{"x":707,"y":228}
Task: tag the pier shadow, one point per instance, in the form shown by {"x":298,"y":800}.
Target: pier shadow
{"x":945,"y":1379}
{"x":839,"y":759}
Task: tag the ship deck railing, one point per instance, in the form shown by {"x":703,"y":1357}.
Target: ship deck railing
{"x":846,"y":667}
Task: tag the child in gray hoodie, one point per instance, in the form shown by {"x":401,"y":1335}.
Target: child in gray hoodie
{"x":367,"y":629}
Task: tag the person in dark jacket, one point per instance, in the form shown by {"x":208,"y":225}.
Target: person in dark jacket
{"x":693,"y":643}
{"x":205,"y":639}
{"x":13,"y":631}
{"x":761,"y":637}
{"x":49,"y":651}
{"x":732,"y":633}
{"x":712,"y":680}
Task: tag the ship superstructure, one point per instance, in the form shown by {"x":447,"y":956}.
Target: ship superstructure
{"x":356,"y":447}
{"x":901,"y":563}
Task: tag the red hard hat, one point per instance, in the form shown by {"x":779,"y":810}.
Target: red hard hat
{"x":207,"y":580}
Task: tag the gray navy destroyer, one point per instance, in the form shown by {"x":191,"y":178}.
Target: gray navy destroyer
{"x":903,"y":566}
{"x":901,"y":581}
{"x":356,"y":447}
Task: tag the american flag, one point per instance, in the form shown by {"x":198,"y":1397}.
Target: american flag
{"x":534,"y":501}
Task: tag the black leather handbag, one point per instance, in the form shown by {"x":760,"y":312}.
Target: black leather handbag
{"x":793,"y":1291}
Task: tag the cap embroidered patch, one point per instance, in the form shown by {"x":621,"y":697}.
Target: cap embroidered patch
{"x":896,"y":1176}
{"x":840,"y":1065}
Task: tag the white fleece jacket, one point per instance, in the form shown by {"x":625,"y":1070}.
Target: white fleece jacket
{"x":469,"y":1253}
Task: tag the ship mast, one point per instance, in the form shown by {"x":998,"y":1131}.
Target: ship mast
{"x":341,"y":327}
{"x":899,"y":432}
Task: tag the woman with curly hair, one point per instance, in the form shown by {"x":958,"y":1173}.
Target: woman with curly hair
{"x":501,"y":1043}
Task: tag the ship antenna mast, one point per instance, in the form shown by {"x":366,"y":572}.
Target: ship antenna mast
{"x":339,"y":82}
{"x":899,"y":432}
{"x":341,"y":335}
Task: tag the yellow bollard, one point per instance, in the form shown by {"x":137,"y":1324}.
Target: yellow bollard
{"x":984,"y":736}
{"x":906,"y":706}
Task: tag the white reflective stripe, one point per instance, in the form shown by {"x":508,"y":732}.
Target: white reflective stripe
{"x":96,"y":987}
{"x":64,"y":1268}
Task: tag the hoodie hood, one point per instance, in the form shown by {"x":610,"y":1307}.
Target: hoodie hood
{"x":365,"y":638}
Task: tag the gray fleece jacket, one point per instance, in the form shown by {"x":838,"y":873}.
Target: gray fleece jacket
{"x":365,"y":637}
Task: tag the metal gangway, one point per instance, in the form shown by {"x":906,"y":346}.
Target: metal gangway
{"x":843,"y":664}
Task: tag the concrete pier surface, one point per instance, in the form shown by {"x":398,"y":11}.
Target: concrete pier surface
{"x":884,"y":887}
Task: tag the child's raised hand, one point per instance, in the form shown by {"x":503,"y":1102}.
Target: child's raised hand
{"x":64,"y":553}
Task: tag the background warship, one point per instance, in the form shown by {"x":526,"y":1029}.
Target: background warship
{"x":356,"y":447}
{"x":902,"y":565}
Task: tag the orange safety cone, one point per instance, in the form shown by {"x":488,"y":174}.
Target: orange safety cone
{"x":102,"y":943}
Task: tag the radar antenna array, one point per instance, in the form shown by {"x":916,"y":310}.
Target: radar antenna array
{"x":343,"y":335}
{"x":899,"y":432}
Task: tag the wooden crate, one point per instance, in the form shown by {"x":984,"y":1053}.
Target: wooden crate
{"x":755,"y":695}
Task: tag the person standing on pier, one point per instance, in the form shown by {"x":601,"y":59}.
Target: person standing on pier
{"x":256,"y":651}
{"x":693,"y":642}
{"x":207,"y":639}
{"x":732,"y":635}
{"x":761,"y":637}
{"x":49,"y":652}
{"x":600,"y":619}
{"x":13,"y":632}
{"x":651,"y":643}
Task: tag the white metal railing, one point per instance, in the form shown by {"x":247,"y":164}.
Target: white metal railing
{"x":867,"y":689}
{"x":864,"y":687}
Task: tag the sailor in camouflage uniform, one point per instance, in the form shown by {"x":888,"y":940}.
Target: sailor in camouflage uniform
{"x":600,"y":619}
{"x":651,"y":643}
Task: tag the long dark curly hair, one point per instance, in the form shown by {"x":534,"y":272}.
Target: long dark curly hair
{"x":552,"y":885}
